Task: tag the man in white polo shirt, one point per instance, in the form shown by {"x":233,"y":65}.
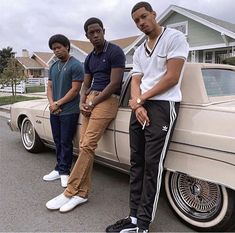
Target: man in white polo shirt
{"x":155,"y":98}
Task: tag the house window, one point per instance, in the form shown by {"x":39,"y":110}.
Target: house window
{"x":181,"y":26}
{"x":208,"y":57}
{"x":220,"y":56}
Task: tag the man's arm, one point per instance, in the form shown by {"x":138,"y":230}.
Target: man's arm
{"x":76,"y":86}
{"x":84,"y":108}
{"x":140,"y":111}
{"x":86,"y":87}
{"x":49,"y":92}
{"x":170,"y":79}
{"x":135,"y":86}
{"x":53,"y":106}
{"x":115,"y":82}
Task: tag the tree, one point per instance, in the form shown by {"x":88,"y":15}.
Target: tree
{"x":13,"y":74}
{"x":5,"y":55}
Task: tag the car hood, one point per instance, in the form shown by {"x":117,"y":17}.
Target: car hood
{"x":32,"y":104}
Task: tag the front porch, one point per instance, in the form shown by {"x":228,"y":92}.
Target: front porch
{"x":211,"y":55}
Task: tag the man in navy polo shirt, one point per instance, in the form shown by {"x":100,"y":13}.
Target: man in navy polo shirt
{"x":104,"y":68}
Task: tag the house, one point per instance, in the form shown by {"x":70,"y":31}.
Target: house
{"x":210,"y":40}
{"x":80,"y":49}
{"x":37,"y":65}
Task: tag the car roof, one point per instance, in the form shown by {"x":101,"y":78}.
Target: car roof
{"x":192,"y":86}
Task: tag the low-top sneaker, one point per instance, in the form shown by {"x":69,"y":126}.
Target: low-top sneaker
{"x":64,"y":180}
{"x":57,"y":202}
{"x":54,"y":175}
{"x":123,"y":225}
{"x":72,"y":203}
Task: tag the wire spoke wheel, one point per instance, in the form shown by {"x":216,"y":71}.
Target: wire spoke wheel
{"x":203,"y":205}
{"x":198,"y":199}
{"x":28,"y":134}
{"x":29,"y":137}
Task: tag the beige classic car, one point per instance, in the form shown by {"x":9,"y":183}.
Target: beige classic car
{"x":200,"y":164}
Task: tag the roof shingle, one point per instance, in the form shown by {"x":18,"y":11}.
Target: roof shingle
{"x":29,"y":63}
{"x":88,"y":47}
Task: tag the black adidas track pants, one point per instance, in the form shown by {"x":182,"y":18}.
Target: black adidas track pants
{"x":148,"y":150}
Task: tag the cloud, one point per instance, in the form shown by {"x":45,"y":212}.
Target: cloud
{"x":28,"y":24}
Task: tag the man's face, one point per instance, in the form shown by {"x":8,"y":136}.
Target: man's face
{"x":144,"y":20}
{"x":60,"y":50}
{"x":95,"y":34}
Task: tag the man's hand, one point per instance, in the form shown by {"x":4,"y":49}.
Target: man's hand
{"x":142,"y":116}
{"x":86,"y":109}
{"x":54,"y":107}
{"x":135,"y":103}
{"x":58,"y":111}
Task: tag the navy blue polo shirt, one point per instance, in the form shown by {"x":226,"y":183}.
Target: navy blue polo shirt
{"x":99,"y":65}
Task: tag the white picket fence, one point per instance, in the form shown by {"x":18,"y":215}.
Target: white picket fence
{"x":20,"y":88}
{"x":35,"y":81}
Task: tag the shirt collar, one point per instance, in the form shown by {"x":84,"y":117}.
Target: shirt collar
{"x":106,"y":43}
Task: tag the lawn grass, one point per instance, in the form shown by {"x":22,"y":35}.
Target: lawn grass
{"x":33,"y":89}
{"x":4,"y":100}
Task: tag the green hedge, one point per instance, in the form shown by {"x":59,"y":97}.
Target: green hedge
{"x":230,"y":61}
{"x":34,"y":89}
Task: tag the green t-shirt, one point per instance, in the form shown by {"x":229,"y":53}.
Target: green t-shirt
{"x":62,"y":74}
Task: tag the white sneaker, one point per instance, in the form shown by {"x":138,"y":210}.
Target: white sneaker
{"x":57,"y":202}
{"x":54,"y":175}
{"x":72,"y":203}
{"x":64,"y":180}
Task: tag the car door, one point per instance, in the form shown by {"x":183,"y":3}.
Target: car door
{"x":115,"y":140}
{"x":47,"y":124}
{"x":122,"y":124}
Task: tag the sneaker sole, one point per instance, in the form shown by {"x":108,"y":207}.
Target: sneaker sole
{"x":65,"y":211}
{"x":129,"y":230}
{"x":51,"y":179}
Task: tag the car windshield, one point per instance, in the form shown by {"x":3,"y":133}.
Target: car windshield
{"x":219,"y":82}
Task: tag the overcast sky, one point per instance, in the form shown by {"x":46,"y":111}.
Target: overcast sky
{"x":28,"y":24}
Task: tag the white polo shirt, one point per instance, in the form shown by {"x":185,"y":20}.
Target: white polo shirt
{"x":151,"y":64}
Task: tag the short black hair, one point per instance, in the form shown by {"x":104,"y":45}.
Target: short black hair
{"x":61,"y":39}
{"x":139,"y":5}
{"x":92,"y":20}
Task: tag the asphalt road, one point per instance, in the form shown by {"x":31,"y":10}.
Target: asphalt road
{"x":23,"y":195}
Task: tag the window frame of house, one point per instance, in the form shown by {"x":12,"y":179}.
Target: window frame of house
{"x":211,"y":53}
{"x":179,"y":24}
{"x":216,"y":53}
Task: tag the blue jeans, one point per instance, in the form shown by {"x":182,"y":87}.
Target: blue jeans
{"x":63,"y":130}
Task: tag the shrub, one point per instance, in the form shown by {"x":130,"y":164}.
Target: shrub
{"x":229,"y":61}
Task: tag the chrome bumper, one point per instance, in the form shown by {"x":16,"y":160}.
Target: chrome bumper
{"x":9,"y":124}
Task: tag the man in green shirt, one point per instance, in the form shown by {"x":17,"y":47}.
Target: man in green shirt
{"x":65,"y":79}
